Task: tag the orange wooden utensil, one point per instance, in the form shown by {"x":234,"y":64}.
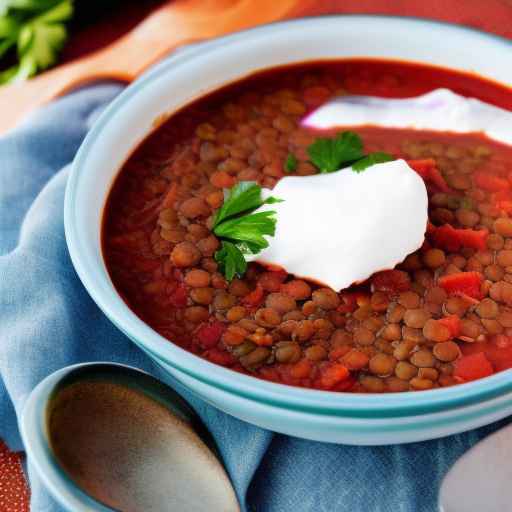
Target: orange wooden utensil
{"x":174,"y":24}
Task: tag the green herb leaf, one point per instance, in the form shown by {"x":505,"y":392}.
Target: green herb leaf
{"x":243,"y":197}
{"x":36,"y":28}
{"x":231,"y":260}
{"x":249,"y":228}
{"x":26,"y":5}
{"x":240,"y":230}
{"x":371,"y":159}
{"x":328,"y":155}
{"x":291,"y":163}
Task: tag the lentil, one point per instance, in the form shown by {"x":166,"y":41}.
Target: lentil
{"x":446,"y":351}
{"x":436,"y":331}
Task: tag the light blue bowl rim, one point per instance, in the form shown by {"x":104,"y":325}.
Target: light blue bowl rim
{"x":322,"y":402}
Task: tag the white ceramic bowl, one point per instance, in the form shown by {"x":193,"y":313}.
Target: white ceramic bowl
{"x":312,"y":414}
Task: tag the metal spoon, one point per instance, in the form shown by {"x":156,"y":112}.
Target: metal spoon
{"x":105,"y":436}
{"x":481,"y":479}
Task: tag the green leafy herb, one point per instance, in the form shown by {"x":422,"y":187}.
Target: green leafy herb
{"x":35,"y":28}
{"x":249,"y":229}
{"x":373,"y":158}
{"x":346,"y":148}
{"x":291,"y":163}
{"x":231,"y":260}
{"x":328,"y":155}
{"x":241,"y":231}
{"x":244,"y":196}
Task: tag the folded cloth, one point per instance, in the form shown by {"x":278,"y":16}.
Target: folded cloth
{"x":48,"y":321}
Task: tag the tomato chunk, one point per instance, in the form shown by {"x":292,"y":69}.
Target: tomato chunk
{"x":502,"y":201}
{"x":453,"y":324}
{"x":428,"y":170}
{"x":498,"y":351}
{"x":332,"y":374}
{"x":348,"y":303}
{"x":472,"y":367}
{"x":218,"y":356}
{"x":490,"y":182}
{"x":391,"y":281}
{"x":467,"y":283}
{"x":209,"y":335}
{"x":178,"y":297}
{"x":255,"y":298}
{"x":451,"y":239}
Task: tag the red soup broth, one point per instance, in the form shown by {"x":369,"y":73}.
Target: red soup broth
{"x":442,"y":317}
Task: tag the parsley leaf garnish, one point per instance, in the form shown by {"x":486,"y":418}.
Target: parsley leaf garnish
{"x":36,"y":29}
{"x":291,"y":163}
{"x":244,"y":196}
{"x":249,"y":228}
{"x":241,"y":231}
{"x":231,"y":260}
{"x":346,"y":148}
{"x":328,"y":155}
{"x":378,"y":157}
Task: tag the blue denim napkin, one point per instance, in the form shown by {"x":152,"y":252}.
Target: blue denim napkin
{"x":48,"y":321}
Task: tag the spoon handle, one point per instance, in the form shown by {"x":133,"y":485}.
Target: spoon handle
{"x":172,"y":25}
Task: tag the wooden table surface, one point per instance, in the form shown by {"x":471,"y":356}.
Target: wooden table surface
{"x":92,"y":32}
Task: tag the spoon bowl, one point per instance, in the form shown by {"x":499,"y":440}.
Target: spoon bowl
{"x":480,"y":479}
{"x":110,"y":437}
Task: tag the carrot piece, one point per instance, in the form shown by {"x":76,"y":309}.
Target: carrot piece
{"x":490,"y":182}
{"x":467,"y":283}
{"x":472,"y":367}
{"x":391,"y":281}
{"x":453,"y":324}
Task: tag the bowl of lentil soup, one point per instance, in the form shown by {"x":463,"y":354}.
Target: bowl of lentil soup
{"x":415,"y":352}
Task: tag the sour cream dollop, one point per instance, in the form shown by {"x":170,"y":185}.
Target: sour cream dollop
{"x":439,"y":110}
{"x":340,"y":228}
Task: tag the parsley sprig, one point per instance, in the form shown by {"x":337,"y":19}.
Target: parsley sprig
{"x":291,"y":163}
{"x":241,"y":231}
{"x":36,"y":30}
{"x":346,"y":148}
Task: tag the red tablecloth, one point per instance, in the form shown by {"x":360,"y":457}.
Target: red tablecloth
{"x":489,"y":15}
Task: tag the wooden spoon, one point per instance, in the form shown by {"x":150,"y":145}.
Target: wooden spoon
{"x":174,"y":24}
